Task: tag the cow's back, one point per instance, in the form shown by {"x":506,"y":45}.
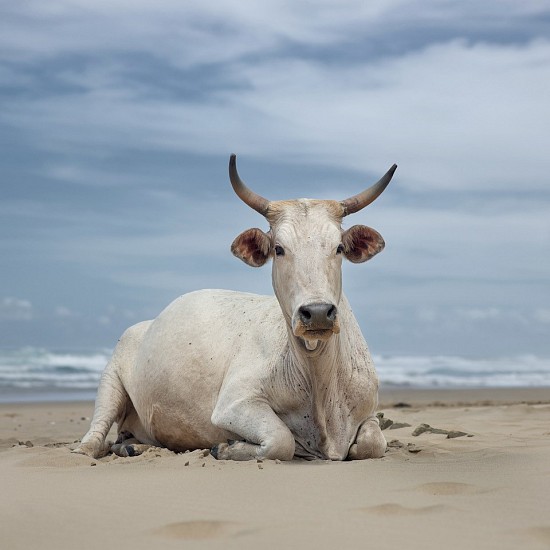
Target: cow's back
{"x":185,"y":355}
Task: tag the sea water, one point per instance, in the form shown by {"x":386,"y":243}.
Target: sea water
{"x":38,"y":374}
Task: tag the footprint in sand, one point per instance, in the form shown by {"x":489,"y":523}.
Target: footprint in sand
{"x":444,"y":488}
{"x":394,"y":509}
{"x":542,"y":534}
{"x":200,"y":529}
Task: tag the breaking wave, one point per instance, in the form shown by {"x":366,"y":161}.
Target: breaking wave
{"x":41,"y":374}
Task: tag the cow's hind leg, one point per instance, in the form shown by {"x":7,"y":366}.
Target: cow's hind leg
{"x":370,"y":441}
{"x":110,"y":407}
{"x":112,"y":403}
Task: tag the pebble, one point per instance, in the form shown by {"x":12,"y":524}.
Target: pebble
{"x":451,"y":434}
{"x":384,"y":422}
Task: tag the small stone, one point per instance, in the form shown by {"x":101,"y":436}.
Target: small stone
{"x":260,"y":467}
{"x":203,"y":464}
{"x":421,"y":429}
{"x":205,"y":452}
{"x":452,"y":434}
{"x":93,"y":464}
{"x":384,"y":422}
{"x":277,"y":461}
{"x":402,"y":405}
{"x":395,"y":444}
{"x":259,"y":460}
{"x":412,"y":448}
{"x":187,"y":463}
{"x":29,"y":443}
{"x":427,"y":428}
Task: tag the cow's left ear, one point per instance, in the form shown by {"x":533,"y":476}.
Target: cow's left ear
{"x":252,"y":247}
{"x":361,"y":243}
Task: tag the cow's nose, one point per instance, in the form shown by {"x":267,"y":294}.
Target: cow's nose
{"x":318,"y":316}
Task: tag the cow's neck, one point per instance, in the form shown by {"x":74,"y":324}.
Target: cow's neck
{"x":321,"y":373}
{"x":322,"y":367}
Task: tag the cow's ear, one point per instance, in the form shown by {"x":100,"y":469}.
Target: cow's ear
{"x":252,"y":247}
{"x":361,"y":243}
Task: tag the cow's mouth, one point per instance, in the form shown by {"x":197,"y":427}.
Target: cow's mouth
{"x":311,"y":338}
{"x":315,"y":333}
{"x":323,"y":334}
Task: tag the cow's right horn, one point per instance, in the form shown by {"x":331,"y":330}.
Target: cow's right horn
{"x":248,"y":196}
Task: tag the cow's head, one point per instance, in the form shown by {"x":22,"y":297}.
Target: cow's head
{"x":307,"y":244}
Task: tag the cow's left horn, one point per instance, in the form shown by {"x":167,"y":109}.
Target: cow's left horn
{"x":248,"y":196}
{"x":357,"y":202}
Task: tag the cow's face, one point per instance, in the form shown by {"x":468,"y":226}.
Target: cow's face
{"x":307,"y":245}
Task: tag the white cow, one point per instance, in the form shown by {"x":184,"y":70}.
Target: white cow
{"x":250,"y":376}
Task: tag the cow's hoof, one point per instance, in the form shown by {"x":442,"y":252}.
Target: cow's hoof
{"x":219,"y":451}
{"x":129,"y":450}
{"x":91,"y":450}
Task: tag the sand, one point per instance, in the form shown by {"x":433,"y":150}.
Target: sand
{"x":488,"y":488}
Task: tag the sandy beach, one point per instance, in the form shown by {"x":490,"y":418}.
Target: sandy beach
{"x":464,"y":469}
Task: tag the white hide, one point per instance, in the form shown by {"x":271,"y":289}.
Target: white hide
{"x":218,"y":365}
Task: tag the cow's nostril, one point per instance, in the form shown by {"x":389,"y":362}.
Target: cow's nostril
{"x":305,"y":314}
{"x":331,"y":313}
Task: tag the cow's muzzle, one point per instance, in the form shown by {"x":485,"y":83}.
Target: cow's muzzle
{"x":317,"y":321}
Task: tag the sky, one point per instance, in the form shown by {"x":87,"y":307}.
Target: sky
{"x":117,"y":120}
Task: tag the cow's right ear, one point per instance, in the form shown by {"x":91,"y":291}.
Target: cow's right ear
{"x":252,"y":247}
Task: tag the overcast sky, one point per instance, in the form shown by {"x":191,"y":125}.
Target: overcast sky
{"x":117,"y":119}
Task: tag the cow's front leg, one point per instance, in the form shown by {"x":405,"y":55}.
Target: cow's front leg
{"x":264,"y":433}
{"x":370,"y":441}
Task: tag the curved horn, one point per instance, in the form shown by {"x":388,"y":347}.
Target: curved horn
{"x":357,"y":202}
{"x":248,"y":196}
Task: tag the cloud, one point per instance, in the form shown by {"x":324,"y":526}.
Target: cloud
{"x":15,"y":309}
{"x":454,"y":113}
{"x":63,"y":312}
{"x":118,"y":119}
{"x":542,"y":315}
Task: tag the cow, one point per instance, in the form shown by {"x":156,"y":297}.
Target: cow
{"x":249,"y":376}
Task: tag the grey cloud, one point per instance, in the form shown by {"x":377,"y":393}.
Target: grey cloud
{"x":15,"y":309}
{"x":118,"y":122}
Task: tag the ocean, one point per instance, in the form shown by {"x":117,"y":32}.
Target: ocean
{"x":38,"y":374}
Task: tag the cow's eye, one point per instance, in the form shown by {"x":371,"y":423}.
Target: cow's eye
{"x":279,"y":250}
{"x":340,"y":249}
